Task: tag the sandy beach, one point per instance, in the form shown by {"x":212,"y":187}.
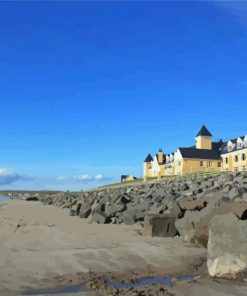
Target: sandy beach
{"x":43,"y":247}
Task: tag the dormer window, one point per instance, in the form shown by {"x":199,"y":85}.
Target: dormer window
{"x":245,"y":141}
{"x":229,"y":146}
{"x":239,"y":143}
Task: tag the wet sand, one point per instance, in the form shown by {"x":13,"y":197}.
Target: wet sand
{"x":43,"y":247}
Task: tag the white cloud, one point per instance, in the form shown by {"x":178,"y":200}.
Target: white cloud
{"x":61,"y":178}
{"x":99,"y":177}
{"x":9,"y":177}
{"x":83,"y":178}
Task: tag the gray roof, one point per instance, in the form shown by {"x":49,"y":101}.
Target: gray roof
{"x":200,"y":153}
{"x":204,"y":132}
{"x":164,"y":158}
{"x":224,"y":149}
{"x":149,"y":158}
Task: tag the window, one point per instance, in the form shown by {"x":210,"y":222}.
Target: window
{"x":219,"y":164}
{"x":209,"y":164}
{"x":226,"y":160}
{"x":229,"y":147}
{"x":243,"y":157}
{"x":236,"y":158}
{"x":240,"y":144}
{"x":201,"y":163}
{"x":179,"y":163}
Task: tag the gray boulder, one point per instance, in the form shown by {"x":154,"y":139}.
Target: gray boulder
{"x":159,"y":225}
{"x":100,"y":217}
{"x":227,"y":245}
{"x":111,"y":210}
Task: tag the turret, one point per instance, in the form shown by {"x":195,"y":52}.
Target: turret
{"x":147,"y":166}
{"x":160,"y":156}
{"x":204,"y":139}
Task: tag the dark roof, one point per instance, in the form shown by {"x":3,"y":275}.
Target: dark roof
{"x":204,"y":132}
{"x":217,"y":145}
{"x":224,"y":149}
{"x":199,"y":153}
{"x":124,"y":177}
{"x":149,"y":158}
{"x":164,"y":158}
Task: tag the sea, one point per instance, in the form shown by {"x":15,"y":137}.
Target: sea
{"x":4,"y":198}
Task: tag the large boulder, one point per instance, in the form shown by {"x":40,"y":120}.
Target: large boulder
{"x":100,"y":217}
{"x":192,"y":205}
{"x":227,"y":247}
{"x":159,"y":225}
{"x":111,"y":210}
{"x":194,"y":226}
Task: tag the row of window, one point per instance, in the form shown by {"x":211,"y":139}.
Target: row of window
{"x":236,"y":158}
{"x":237,"y":169}
{"x":209,"y":164}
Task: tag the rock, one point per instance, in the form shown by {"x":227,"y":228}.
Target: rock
{"x":111,"y":210}
{"x":85,"y":210}
{"x":129,"y":217}
{"x":192,"y":204}
{"x":244,"y":197}
{"x":240,"y":210}
{"x":227,"y":245}
{"x":233,"y":193}
{"x":159,"y":225}
{"x":75,"y":209}
{"x":100,"y":217}
{"x":194,"y":226}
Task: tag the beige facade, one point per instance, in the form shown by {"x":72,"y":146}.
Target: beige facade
{"x":204,"y":157}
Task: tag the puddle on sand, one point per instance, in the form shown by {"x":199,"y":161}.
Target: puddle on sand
{"x":64,"y":290}
{"x":4,"y":198}
{"x":148,"y":281}
{"x":81,"y":287}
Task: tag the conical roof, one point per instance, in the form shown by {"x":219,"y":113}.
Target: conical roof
{"x":149,"y":158}
{"x":204,"y":132}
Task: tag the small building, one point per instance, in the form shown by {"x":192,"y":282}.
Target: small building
{"x":127,"y":178}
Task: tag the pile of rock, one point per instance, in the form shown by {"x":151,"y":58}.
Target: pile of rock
{"x":193,"y":202}
{"x":210,"y":210}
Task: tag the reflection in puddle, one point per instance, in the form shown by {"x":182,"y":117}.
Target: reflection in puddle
{"x":81,"y":287}
{"x":64,"y":290}
{"x":148,"y":281}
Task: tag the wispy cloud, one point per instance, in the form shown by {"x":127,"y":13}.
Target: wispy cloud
{"x":84,"y":178}
{"x":8,"y":177}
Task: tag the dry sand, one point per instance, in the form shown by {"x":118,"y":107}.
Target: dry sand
{"x":40,"y":244}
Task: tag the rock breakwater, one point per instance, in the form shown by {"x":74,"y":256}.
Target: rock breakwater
{"x":192,"y":201}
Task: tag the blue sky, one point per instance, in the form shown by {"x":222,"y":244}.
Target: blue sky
{"x":88,"y":89}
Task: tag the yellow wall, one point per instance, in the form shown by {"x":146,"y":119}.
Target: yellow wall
{"x":129,"y":178}
{"x":232,"y":165}
{"x":160,"y":157}
{"x":146,"y":169}
{"x":204,"y":143}
{"x":169,"y":169}
{"x":190,"y":166}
